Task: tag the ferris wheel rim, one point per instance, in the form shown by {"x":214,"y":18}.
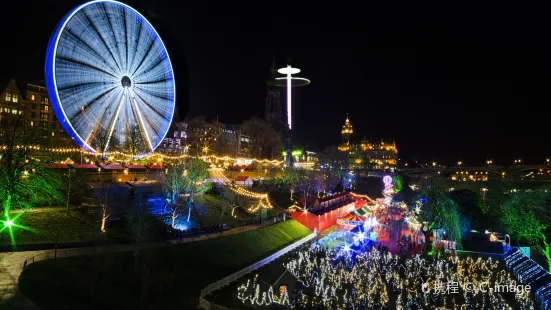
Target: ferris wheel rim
{"x":51,"y":81}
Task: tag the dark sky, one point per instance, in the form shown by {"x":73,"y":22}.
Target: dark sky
{"x":447,"y":83}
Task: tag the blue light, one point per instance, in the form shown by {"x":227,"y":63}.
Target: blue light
{"x":94,"y":52}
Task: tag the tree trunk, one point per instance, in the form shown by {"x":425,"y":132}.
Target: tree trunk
{"x":189,"y":207}
{"x":68,"y":197}
{"x":547,"y":253}
{"x":173,"y":216}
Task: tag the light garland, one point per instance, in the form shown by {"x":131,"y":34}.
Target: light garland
{"x":273,"y":162}
{"x":263,"y":198}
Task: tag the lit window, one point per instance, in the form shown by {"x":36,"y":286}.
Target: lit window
{"x":8,"y":97}
{"x":14,"y":98}
{"x":44,"y":116}
{"x":32,"y":97}
{"x":53,"y":133}
{"x":44,"y":107}
{"x":20,"y":112}
{"x":14,"y":111}
{"x":32,"y":123}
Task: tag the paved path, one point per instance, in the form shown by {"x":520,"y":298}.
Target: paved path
{"x":11,"y":264}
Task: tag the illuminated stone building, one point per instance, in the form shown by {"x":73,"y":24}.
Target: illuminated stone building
{"x":29,"y":104}
{"x":367,"y":154}
{"x":205,"y":138}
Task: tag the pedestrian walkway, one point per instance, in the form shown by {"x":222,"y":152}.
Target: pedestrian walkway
{"x":11,"y":264}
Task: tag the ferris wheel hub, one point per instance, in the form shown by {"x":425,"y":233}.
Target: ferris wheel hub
{"x":126,"y":82}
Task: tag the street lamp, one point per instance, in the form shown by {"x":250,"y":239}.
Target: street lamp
{"x":518,"y":161}
{"x":489,"y":162}
{"x":459,"y":163}
{"x":434,"y":164}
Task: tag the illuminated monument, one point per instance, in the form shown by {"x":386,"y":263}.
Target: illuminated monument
{"x":288,"y":81}
{"x":366,"y":154}
{"x":108,"y":73}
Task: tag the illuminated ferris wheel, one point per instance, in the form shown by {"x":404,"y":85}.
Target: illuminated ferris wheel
{"x":109,"y":75}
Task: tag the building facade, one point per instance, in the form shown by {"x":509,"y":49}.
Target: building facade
{"x":30,"y":105}
{"x":366,"y":154}
{"x":205,"y":138}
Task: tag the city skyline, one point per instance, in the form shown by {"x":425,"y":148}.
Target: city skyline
{"x":441,"y":94}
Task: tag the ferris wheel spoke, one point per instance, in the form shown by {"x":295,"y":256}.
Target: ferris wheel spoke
{"x":84,"y":102}
{"x":113,"y":122}
{"x":150,"y":107}
{"x":144,"y":57}
{"x":102,"y":39}
{"x":75,"y":86}
{"x":85,"y":50}
{"x":118,"y":37}
{"x":138,"y":34}
{"x":76,"y":64}
{"x":126,"y":40}
{"x":140,"y":119}
{"x":85,"y":120}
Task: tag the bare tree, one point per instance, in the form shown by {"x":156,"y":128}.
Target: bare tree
{"x":134,"y":142}
{"x":69,"y":183}
{"x":139,"y":225}
{"x":103,"y":198}
{"x":263,"y":138}
{"x":103,"y":140}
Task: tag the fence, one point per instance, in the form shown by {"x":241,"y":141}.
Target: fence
{"x":60,"y":253}
{"x":205,"y":304}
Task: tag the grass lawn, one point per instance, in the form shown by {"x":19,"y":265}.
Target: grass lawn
{"x":51,"y":226}
{"x":45,"y":226}
{"x":168,"y":277}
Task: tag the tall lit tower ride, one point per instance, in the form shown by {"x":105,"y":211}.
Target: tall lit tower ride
{"x":289,"y":82}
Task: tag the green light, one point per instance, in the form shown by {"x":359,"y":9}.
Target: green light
{"x":8,"y":223}
{"x":284,"y":153}
{"x":297,"y":153}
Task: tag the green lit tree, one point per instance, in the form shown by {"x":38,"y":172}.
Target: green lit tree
{"x":24,"y":182}
{"x":527,"y":216}
{"x":194,"y":181}
{"x":440,"y":211}
{"x":174,"y":188}
{"x":398,"y":183}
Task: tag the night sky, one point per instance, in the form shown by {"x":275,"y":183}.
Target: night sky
{"x":447,"y":83}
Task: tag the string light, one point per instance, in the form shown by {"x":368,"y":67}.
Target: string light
{"x":337,"y":279}
{"x":273,"y":162}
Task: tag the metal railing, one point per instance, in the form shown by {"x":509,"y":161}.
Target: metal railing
{"x":205,"y":304}
{"x":60,"y":253}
